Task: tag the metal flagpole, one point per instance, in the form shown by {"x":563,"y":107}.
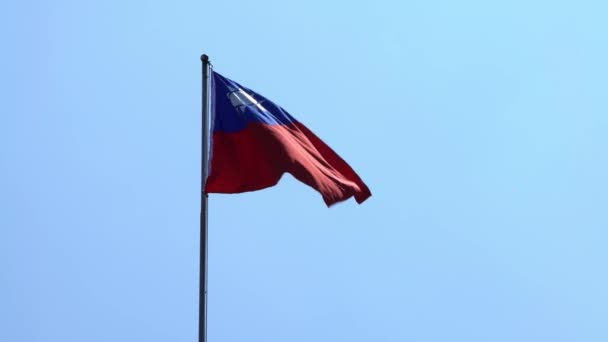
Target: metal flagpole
{"x":202,"y":306}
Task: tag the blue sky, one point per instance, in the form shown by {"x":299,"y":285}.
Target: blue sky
{"x":479,"y":126}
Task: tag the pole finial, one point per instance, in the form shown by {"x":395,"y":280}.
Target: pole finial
{"x":204,"y":58}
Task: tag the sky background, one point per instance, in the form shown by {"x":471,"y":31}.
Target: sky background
{"x":480,"y":127}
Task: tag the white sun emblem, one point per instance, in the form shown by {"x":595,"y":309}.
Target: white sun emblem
{"x":241,"y":100}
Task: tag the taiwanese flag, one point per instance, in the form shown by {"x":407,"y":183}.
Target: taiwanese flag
{"x":254,"y":142}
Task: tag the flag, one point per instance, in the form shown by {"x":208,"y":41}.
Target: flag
{"x":254,"y":141}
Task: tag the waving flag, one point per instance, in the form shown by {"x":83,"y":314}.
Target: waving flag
{"x":254,"y":142}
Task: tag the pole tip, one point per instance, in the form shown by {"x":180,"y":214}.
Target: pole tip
{"x":204,"y":58}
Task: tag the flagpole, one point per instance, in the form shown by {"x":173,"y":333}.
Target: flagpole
{"x":202,"y":307}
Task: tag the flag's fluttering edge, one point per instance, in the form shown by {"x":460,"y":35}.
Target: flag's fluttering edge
{"x":254,"y":142}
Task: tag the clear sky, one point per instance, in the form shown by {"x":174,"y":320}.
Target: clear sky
{"x":481,"y":128}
